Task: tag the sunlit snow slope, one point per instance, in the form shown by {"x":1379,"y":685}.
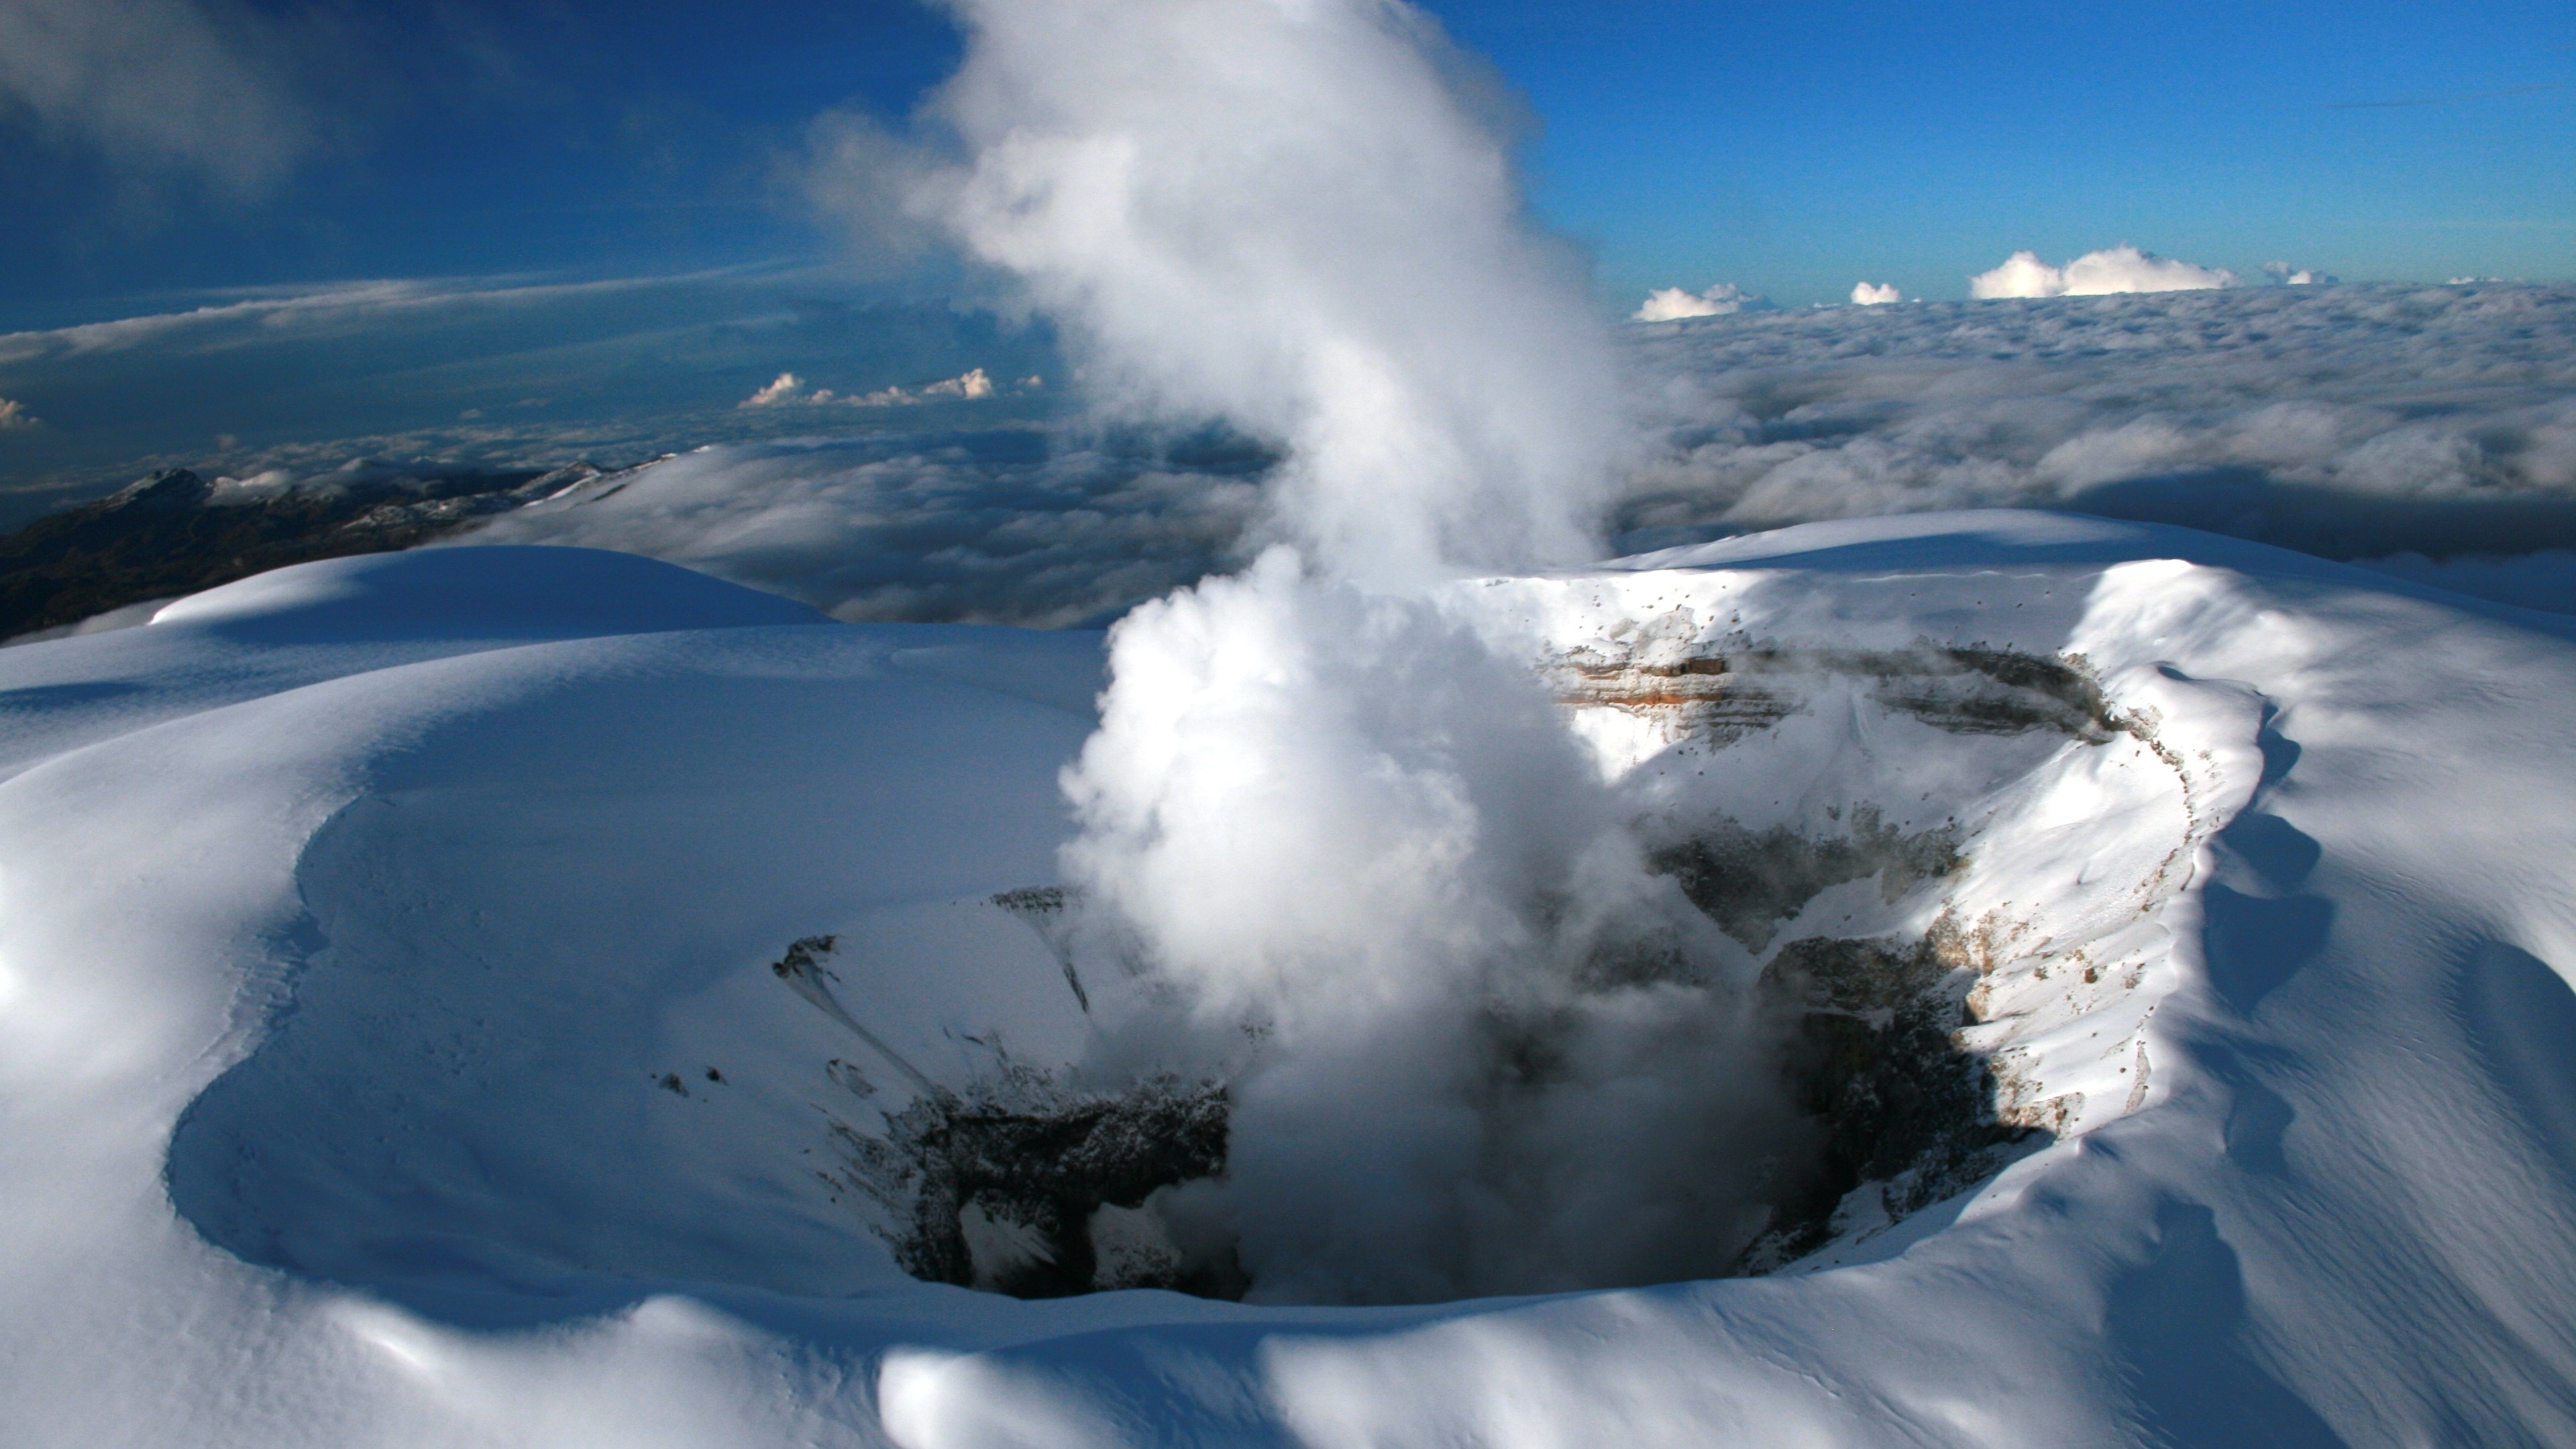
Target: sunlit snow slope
{"x":400,"y":1040}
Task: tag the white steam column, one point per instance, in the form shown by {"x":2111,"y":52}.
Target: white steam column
{"x":1326,"y":809}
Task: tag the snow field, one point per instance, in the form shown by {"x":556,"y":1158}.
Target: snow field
{"x":345,"y":946}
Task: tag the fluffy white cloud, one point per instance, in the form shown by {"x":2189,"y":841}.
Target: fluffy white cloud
{"x":202,"y":86}
{"x":2023,"y":274}
{"x":2122,"y":268}
{"x":14,"y":415}
{"x":789,"y":388}
{"x":1671,"y":304}
{"x":969,"y":386}
{"x":1875,"y":294}
{"x":2283,"y":274}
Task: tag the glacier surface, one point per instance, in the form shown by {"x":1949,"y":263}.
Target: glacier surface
{"x":397,"y":1044}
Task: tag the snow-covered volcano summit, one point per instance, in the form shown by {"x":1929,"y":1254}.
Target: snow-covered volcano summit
{"x":482,"y":997}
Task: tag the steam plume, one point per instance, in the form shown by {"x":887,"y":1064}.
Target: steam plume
{"x":1321,"y":806}
{"x":1288,"y":214}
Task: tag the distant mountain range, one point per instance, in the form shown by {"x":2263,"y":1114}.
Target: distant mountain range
{"x":175,"y":533}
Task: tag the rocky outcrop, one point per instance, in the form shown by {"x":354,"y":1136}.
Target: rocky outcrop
{"x":175,"y":533}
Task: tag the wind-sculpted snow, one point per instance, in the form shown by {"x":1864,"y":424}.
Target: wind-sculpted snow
{"x":397,"y":1049}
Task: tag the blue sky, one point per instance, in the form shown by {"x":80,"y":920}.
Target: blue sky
{"x":163,"y":155}
{"x":1790,"y":149}
{"x":463,"y":137}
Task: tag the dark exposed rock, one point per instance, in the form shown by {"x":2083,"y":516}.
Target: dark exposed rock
{"x":1042,"y":909}
{"x":803,"y":960}
{"x":2000,"y":691}
{"x":1020,"y":1160}
{"x":1728,"y":688}
{"x":1044,"y":1163}
{"x":1874,"y":1061}
{"x":174,"y":533}
{"x":1750,"y":881}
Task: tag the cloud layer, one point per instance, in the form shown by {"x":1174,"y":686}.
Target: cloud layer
{"x":1014,"y":526}
{"x":2352,"y":422}
{"x":2357,"y":421}
{"x":491,"y":370}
